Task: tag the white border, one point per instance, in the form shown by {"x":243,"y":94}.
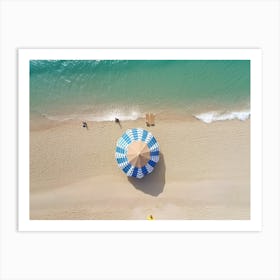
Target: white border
{"x":254,"y":224}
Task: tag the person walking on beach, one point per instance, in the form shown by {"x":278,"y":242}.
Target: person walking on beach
{"x":118,"y":122}
{"x":85,"y":125}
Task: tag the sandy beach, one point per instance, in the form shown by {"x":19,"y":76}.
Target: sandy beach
{"x":203,"y":172}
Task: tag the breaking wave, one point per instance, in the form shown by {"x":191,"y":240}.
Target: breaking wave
{"x":210,"y":117}
{"x":109,"y":116}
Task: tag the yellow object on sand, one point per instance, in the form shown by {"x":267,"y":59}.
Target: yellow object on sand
{"x":150,"y":217}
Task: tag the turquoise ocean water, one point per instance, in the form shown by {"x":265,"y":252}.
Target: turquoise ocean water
{"x":101,"y":90}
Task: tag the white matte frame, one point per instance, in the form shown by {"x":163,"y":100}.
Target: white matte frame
{"x":255,"y":221}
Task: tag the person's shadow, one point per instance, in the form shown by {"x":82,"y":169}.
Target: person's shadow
{"x":153,"y":183}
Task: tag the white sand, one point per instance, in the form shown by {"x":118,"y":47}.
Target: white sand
{"x":203,"y":173}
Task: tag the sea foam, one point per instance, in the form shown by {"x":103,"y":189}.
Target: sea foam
{"x":109,"y":116}
{"x":210,"y":117}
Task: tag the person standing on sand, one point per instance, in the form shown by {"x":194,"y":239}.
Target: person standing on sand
{"x":85,"y":125}
{"x":118,"y":122}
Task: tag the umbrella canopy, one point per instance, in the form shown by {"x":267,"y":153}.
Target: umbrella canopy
{"x":137,"y":152}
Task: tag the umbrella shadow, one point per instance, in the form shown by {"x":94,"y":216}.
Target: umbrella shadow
{"x":153,"y":183}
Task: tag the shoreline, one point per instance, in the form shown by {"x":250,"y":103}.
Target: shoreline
{"x":43,"y":121}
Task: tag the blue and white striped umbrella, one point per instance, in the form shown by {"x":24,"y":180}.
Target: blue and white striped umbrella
{"x":137,"y":152}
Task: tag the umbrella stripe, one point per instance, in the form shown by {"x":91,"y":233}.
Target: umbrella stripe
{"x":123,"y":148}
{"x":140,"y":173}
{"x":144,"y":136}
{"x":130,"y":134}
{"x":123,"y":165}
{"x":155,"y":147}
{"x":122,"y":143}
{"x":135,"y":134}
{"x":126,"y":168}
{"x":126,"y":138}
{"x":130,"y":171}
{"x":152,"y":163}
{"x":151,"y":142}
{"x":134,"y":174}
{"x":154,"y":153}
{"x":144,"y":170}
{"x":120,"y":150}
{"x":118,"y":155}
{"x":121,"y":160}
{"x":155,"y":158}
{"x":140,"y":133}
{"x":121,"y":154}
{"x":148,"y":138}
{"x":149,"y":168}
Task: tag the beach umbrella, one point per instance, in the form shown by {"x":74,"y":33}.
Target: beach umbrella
{"x":137,"y":152}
